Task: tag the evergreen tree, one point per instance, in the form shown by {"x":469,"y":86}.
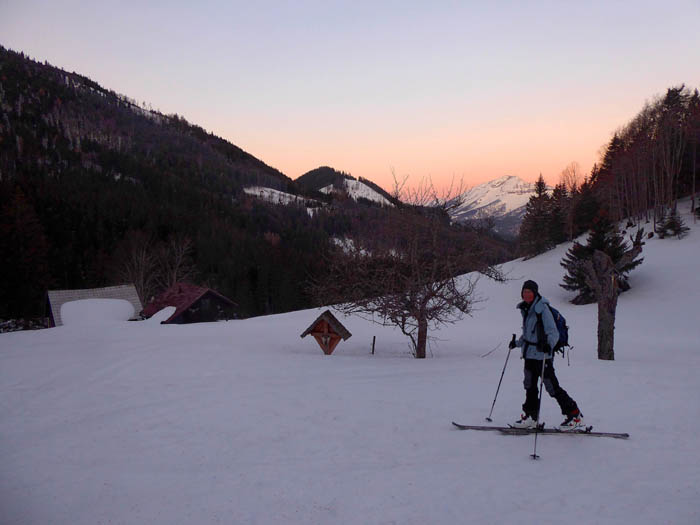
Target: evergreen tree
{"x":584,"y":207}
{"x":671,"y":225}
{"x":559,"y":205}
{"x":603,"y":277}
{"x":603,"y":237}
{"x":534,"y":230}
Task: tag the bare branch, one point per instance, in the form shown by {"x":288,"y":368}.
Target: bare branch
{"x":406,"y":272}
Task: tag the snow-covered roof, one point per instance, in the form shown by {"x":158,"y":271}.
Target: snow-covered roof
{"x":57,"y":298}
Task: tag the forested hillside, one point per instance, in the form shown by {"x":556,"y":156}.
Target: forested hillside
{"x":96,"y":190}
{"x":90,"y":181}
{"x":649,"y":163}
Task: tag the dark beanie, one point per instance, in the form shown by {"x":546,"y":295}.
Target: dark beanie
{"x":530,"y":285}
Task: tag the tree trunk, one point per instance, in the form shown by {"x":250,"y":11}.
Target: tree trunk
{"x":606,"y":324}
{"x":422,"y":338}
{"x":600,"y":276}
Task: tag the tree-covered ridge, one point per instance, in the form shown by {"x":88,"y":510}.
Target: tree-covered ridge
{"x":653,"y":160}
{"x":318,"y":178}
{"x":649,"y":164}
{"x":47,"y":109}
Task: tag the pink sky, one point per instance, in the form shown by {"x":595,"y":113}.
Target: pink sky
{"x":426,"y":89}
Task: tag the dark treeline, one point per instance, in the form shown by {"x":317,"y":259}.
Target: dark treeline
{"x":557,"y":216}
{"x":646,"y":167}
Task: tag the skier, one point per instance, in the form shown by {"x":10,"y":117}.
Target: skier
{"x":537,"y":343}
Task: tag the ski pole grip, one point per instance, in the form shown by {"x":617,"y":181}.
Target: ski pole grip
{"x":511,"y":345}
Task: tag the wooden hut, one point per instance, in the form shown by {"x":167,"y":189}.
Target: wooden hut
{"x":327,"y":331}
{"x":193,"y":304}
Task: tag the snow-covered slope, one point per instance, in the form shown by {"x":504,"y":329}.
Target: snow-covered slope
{"x":356,"y":190}
{"x":278,"y":197}
{"x":244,"y":422}
{"x":504,"y":198}
{"x":283,"y":198}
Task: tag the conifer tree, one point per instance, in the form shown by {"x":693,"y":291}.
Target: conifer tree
{"x":603,"y":237}
{"x":534,"y":230}
{"x":584,"y":208}
{"x":603,"y":277}
{"x":558,"y":214}
{"x":671,"y":225}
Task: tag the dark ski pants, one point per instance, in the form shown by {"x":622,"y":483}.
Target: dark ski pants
{"x":533,"y":369}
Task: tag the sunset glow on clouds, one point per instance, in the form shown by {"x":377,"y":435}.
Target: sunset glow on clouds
{"x":453,"y":89}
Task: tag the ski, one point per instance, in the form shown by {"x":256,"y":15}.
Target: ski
{"x":512,"y":431}
{"x":481,"y":427}
{"x":587,"y":431}
{"x":474,"y":427}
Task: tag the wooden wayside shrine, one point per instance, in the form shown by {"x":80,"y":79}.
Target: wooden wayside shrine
{"x":327,"y":331}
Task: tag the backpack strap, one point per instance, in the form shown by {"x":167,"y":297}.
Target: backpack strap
{"x":541,"y":336}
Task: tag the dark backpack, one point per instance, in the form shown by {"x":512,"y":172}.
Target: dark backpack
{"x":562,"y":328}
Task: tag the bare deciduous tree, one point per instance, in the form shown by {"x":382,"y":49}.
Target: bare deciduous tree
{"x":137,"y":263}
{"x":571,"y":176}
{"x":405,"y":272}
{"x":175,"y":262}
{"x":153,"y":267}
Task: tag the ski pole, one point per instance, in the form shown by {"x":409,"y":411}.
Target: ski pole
{"x":500,"y":380}
{"x":539,"y":408}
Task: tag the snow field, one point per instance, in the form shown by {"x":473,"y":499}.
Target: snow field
{"x":244,"y":422}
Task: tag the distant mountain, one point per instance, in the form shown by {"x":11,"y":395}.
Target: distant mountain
{"x":321,"y":177}
{"x":328,"y":181}
{"x":502,"y":200}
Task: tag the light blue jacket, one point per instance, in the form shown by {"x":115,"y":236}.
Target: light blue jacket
{"x":539,"y":306}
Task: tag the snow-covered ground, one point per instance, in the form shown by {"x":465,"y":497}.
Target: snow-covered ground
{"x":244,"y":422}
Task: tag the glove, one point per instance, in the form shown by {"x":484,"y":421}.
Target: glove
{"x":512,"y":344}
{"x":546,"y":348}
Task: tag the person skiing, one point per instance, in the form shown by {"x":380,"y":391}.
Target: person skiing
{"x":537,"y":341}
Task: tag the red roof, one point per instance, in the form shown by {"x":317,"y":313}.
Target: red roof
{"x":181,"y":296}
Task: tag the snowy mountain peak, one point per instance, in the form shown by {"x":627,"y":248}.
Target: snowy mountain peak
{"x":509,"y":181}
{"x":504,"y":197}
{"x":496,"y":197}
